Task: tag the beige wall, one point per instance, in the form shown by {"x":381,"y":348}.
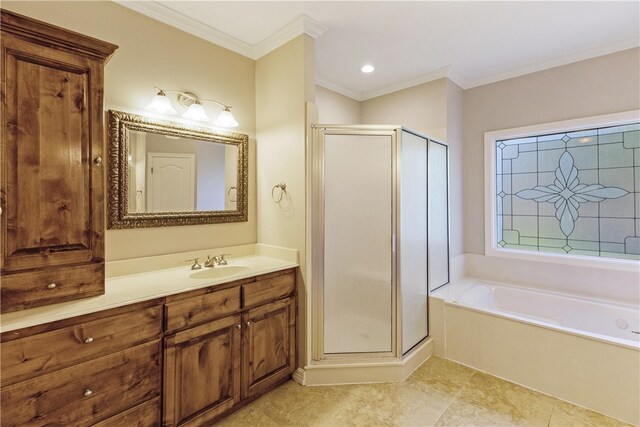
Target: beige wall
{"x":454,"y":140}
{"x":337,"y":109}
{"x":602,"y":85}
{"x":284,"y":83}
{"x":433,"y":108}
{"x":154,"y":54}
{"x":421,"y":108}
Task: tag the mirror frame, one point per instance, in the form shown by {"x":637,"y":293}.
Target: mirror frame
{"x":118,"y":215}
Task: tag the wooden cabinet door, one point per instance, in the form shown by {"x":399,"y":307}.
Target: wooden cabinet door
{"x":53,"y":207}
{"x":268,"y":346}
{"x":202,"y":372}
{"x":51,"y":167}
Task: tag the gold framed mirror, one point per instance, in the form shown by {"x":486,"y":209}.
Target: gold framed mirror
{"x":163,"y":173}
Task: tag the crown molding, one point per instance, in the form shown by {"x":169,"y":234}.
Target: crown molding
{"x":556,"y":62}
{"x":303,"y":24}
{"x":189,"y":25}
{"x":446,"y":72}
{"x":426,"y":78}
{"x":454,"y":75}
{"x":339,"y":89}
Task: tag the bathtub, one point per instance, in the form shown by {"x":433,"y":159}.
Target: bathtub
{"x":613,"y":323}
{"x":576,"y":349}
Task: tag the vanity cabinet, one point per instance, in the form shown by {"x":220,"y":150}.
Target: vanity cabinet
{"x":181,"y":360}
{"x":52,"y":187}
{"x":228,"y":346}
{"x":202,"y":372}
{"x":104,"y":367}
{"x":268,"y":344}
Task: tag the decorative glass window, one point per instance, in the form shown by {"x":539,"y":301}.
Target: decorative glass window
{"x":572,"y":192}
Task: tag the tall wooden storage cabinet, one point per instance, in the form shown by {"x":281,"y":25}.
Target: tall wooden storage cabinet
{"x":52,"y":156}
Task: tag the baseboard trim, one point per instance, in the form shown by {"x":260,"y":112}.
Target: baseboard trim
{"x":362,"y":373}
{"x":299,"y":376}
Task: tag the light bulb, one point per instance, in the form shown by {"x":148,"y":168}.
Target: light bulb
{"x":196,"y":112}
{"x":226,"y":120}
{"x":161,"y":104}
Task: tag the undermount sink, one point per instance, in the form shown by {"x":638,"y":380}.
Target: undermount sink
{"x":219,"y":271}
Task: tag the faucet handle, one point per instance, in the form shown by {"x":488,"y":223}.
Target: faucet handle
{"x":221,"y":260}
{"x":195,"y":265}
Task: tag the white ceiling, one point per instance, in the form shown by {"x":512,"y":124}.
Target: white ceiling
{"x":473,"y":43}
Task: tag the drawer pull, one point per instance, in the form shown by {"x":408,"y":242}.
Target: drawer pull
{"x":88,"y":340}
{"x":97,"y":160}
{"x":51,"y":286}
{"x":88,"y":392}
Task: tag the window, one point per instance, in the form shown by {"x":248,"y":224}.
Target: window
{"x":566,"y":189}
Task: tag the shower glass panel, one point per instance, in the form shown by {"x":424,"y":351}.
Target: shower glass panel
{"x":413,"y":239}
{"x":358,"y":206}
{"x":438,"y":215}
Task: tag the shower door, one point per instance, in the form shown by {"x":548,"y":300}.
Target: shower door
{"x":358,"y":257}
{"x":412,"y":268}
{"x":438,"y":214}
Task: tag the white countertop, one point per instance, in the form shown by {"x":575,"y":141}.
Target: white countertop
{"x":133,"y":288}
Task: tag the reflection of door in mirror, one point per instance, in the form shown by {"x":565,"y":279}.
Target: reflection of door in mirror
{"x":171,"y":179}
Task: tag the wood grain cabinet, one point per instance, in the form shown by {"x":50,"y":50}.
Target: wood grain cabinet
{"x":231,"y":346}
{"x":268,"y":344}
{"x":182,"y":360}
{"x":101,"y":368}
{"x":202,"y":372}
{"x":52,"y":187}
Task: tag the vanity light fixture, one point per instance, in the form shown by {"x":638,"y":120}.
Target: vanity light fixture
{"x":196,"y":112}
{"x":193,"y":104}
{"x":161,"y":104}
{"x":367,"y":68}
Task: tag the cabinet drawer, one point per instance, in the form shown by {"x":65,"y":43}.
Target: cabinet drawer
{"x":36,"y":354}
{"x":83,"y":394}
{"x":202,"y":308}
{"x":52,"y":285}
{"x":268,"y":289}
{"x":144,"y":415}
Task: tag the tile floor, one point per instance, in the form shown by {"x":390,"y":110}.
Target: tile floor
{"x":439,"y":393}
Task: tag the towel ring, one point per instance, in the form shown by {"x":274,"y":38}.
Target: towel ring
{"x":229,"y":193}
{"x":283,"y":188}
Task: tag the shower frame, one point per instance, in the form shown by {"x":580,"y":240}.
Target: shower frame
{"x":318,"y":354}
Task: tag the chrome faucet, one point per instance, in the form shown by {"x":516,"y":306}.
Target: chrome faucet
{"x":195,"y":265}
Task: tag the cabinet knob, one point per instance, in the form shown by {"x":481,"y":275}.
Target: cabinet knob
{"x":88,"y":392}
{"x":248,"y":323}
{"x":239,"y":326}
{"x":51,"y":286}
{"x":88,"y":340}
{"x":97,"y":160}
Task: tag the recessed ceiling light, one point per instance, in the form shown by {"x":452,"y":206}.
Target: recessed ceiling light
{"x":367,"y":68}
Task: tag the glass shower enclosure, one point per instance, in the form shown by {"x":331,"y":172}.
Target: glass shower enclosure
{"x":373,"y":212}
